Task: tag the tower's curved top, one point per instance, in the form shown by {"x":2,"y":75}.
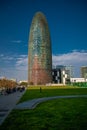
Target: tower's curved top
{"x":39,"y":15}
{"x":39,"y":18}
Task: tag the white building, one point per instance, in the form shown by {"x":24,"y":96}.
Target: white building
{"x":73,"y":80}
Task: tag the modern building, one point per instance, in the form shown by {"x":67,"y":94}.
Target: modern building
{"x":56,"y":74}
{"x":84,"y":72}
{"x":39,"y":51}
{"x":69,"y":71}
{"x":77,"y":80}
{"x":62,"y":74}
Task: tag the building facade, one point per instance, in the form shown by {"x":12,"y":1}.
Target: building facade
{"x":62,"y":74}
{"x":69,"y":71}
{"x":84,"y":72}
{"x":56,"y":74}
{"x":39,"y":51}
{"x":77,"y":80}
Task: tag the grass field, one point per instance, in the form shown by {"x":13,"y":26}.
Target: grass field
{"x":34,"y":92}
{"x":58,"y":114}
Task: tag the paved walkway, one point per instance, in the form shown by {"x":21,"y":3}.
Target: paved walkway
{"x":7,"y":103}
{"x":31,"y":104}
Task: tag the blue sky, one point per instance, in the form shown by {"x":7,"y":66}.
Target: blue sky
{"x":67,"y":20}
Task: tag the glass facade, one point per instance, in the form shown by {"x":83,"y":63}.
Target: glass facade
{"x":84,"y":72}
{"x":39,"y":53}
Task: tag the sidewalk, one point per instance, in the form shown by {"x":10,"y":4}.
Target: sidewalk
{"x":7,"y":103}
{"x":34,"y":102}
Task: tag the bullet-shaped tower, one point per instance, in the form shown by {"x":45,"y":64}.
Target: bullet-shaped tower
{"x":39,"y":51}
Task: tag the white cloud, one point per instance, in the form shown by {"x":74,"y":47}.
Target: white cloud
{"x":70,"y":58}
{"x":22,"y":61}
{"x":16,"y":67}
{"x":19,"y":63}
{"x":74,"y":58}
{"x":1,"y":55}
{"x":6,"y":57}
{"x":21,"y":67}
{"x":17,"y":41}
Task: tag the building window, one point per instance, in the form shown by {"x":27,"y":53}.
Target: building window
{"x":57,"y":73}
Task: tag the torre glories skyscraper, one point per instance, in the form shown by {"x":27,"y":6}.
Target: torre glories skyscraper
{"x":39,"y":52}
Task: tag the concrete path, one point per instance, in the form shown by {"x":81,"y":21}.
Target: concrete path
{"x":31,"y":104}
{"x":7,"y":103}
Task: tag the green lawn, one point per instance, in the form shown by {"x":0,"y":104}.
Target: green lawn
{"x":58,"y":114}
{"x":51,"y":91}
